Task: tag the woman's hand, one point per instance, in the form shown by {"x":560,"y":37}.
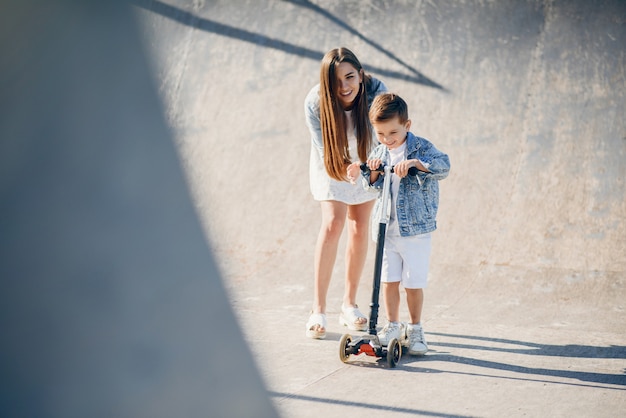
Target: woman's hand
{"x":353,"y":172}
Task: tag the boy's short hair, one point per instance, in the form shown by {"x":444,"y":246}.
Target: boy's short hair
{"x":387,"y":106}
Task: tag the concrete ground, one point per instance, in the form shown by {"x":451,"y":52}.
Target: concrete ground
{"x":525,"y":313}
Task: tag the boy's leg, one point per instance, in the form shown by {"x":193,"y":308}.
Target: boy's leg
{"x":391,"y":276}
{"x":415,"y":277}
{"x":415,"y":339}
{"x":391,"y":299}
{"x":415,"y":302}
{"x":415,"y":252}
{"x":393,"y":328}
{"x":391,"y":270}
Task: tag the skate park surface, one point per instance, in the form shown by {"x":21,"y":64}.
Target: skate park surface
{"x":525,"y":313}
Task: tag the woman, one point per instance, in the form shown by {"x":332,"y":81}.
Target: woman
{"x":336,"y":113}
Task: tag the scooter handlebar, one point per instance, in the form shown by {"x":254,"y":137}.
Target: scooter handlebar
{"x":412,"y":171}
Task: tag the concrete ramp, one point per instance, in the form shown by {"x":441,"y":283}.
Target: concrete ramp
{"x":525,"y":312}
{"x":111,"y":303}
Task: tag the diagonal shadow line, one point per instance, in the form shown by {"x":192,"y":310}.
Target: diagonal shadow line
{"x":361,"y":405}
{"x":569,"y":350}
{"x":342,"y":24}
{"x":521,"y":379}
{"x":207,"y":25}
{"x":599,"y":378}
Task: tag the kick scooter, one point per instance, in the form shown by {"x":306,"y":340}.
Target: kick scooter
{"x":370,"y":344}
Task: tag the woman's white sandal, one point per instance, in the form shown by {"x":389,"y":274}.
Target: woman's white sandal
{"x":318,"y":332}
{"x":349,"y":316}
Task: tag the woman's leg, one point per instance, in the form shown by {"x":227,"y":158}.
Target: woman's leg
{"x":333,"y":221}
{"x":356,"y":249}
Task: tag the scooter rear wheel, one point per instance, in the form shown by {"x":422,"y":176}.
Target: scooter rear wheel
{"x":346,"y":339}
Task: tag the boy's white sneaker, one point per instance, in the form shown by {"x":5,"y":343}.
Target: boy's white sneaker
{"x":415,"y":340}
{"x":390,"y":331}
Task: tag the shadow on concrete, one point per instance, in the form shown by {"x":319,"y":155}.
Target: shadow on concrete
{"x":207,"y":25}
{"x":325,"y":13}
{"x":569,"y":350}
{"x":564,"y":351}
{"x":598,"y":378}
{"x":368,"y":406}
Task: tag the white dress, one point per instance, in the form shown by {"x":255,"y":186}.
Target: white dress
{"x":323,"y":187}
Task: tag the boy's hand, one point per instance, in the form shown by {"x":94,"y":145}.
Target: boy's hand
{"x":402,"y":168}
{"x":374,"y":164}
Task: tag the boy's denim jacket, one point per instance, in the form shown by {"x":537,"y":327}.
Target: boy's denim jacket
{"x":418,"y":196}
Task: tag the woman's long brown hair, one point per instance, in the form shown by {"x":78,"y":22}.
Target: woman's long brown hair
{"x":333,"y":119}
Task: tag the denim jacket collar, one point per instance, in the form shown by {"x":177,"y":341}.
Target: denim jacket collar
{"x":412,"y":144}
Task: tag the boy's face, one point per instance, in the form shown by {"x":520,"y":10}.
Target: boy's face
{"x":391,"y":132}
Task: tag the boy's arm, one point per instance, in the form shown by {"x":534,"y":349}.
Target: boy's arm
{"x":436,"y":163}
{"x":371,"y":178}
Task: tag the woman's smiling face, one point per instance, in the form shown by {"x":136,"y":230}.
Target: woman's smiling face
{"x":348,"y":84}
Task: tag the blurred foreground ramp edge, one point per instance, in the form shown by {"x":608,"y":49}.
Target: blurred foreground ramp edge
{"x":111,"y":304}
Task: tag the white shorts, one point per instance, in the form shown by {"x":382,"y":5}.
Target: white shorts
{"x":406,"y":260}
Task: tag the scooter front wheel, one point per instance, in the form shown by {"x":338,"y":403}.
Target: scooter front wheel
{"x":394,"y":352}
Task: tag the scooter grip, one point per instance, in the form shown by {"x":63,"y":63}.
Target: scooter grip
{"x":364,"y":168}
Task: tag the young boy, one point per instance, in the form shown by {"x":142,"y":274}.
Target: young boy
{"x":413,"y":209}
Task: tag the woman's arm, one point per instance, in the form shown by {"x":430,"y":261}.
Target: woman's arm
{"x":312,"y":118}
